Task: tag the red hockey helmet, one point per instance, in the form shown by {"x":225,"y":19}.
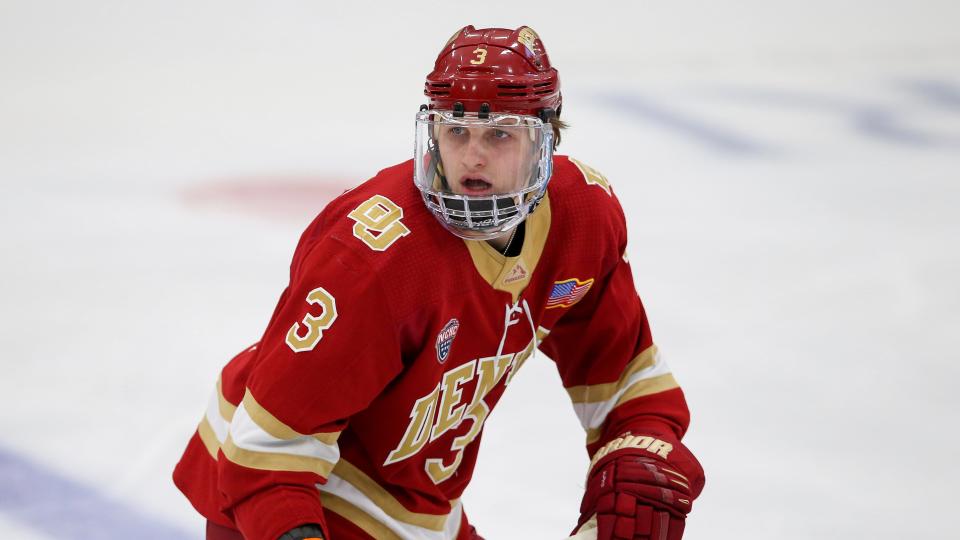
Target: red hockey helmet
{"x":507,"y":69}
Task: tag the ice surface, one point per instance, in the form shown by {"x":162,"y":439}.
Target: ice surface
{"x":790,"y":174}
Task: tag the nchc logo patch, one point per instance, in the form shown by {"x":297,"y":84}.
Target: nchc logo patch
{"x":445,"y":339}
{"x":568,"y":292}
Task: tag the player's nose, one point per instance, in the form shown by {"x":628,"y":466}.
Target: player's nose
{"x":475,"y":154}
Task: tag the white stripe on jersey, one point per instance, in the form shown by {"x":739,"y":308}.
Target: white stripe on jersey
{"x":341,"y":488}
{"x":246,"y":434}
{"x":593,"y":415}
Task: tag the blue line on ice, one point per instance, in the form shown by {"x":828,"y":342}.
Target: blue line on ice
{"x":63,"y":508}
{"x":940,"y":93}
{"x":717,"y":138}
{"x":903,"y":118}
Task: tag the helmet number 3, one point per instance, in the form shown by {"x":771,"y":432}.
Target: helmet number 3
{"x":481,"y":56}
{"x":303,"y":336}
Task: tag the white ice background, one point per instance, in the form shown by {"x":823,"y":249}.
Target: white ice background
{"x":789,"y":170}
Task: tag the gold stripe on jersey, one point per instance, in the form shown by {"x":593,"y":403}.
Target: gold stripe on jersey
{"x":602,"y":392}
{"x":227,"y":409}
{"x":357,"y":516}
{"x":275,"y":461}
{"x":646,"y":387}
{"x":276,"y":428}
{"x":208,"y":437}
{"x":643,"y":387}
{"x":498,"y":270}
{"x":384,"y":500}
{"x":327,"y":438}
{"x":266,"y":421}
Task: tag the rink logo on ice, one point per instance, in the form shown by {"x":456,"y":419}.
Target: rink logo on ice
{"x":445,"y":339}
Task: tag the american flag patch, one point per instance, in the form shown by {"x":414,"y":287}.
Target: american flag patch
{"x":568,"y":292}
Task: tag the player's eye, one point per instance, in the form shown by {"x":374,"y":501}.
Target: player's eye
{"x":500,"y":134}
{"x":457,"y":130}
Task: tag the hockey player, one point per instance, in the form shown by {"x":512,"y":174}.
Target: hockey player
{"x":410,"y":308}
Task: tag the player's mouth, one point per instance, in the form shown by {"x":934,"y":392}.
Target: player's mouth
{"x":476,"y":185}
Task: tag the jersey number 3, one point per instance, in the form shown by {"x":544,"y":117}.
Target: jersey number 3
{"x":303,"y":336}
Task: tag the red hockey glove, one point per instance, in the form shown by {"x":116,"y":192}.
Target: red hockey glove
{"x":641,"y":487}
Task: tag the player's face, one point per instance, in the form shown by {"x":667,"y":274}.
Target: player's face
{"x":485,"y":160}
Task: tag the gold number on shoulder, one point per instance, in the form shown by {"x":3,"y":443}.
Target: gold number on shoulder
{"x":481,"y":56}
{"x":592,"y":176}
{"x":314,"y":326}
{"x":378,"y":222}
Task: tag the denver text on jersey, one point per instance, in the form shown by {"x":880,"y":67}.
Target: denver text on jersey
{"x":413,"y":301}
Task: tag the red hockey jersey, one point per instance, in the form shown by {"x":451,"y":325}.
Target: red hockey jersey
{"x":392,"y":343}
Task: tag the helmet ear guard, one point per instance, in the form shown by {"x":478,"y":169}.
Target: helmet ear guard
{"x":547,"y":114}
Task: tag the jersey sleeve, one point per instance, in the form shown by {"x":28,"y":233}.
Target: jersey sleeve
{"x":328,"y":351}
{"x":607,"y":359}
